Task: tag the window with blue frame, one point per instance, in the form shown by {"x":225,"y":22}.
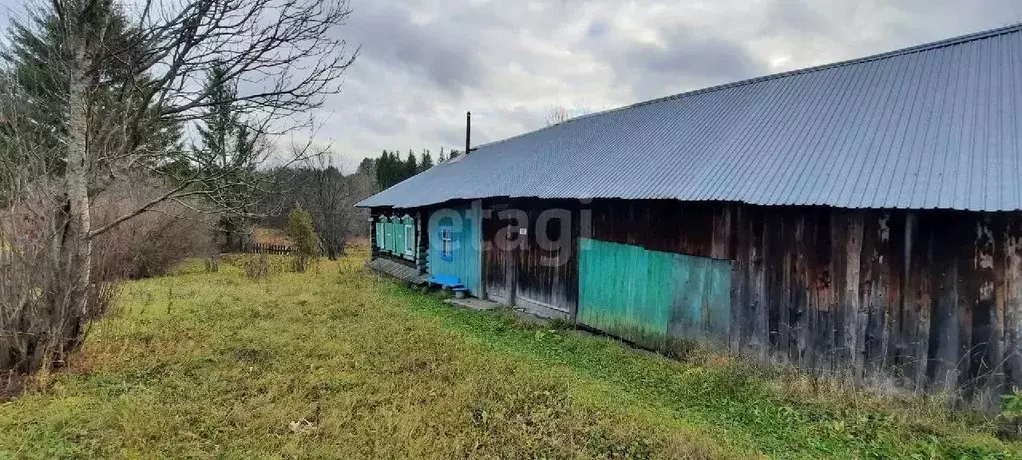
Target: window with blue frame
{"x":409,"y":240}
{"x":446,"y":244}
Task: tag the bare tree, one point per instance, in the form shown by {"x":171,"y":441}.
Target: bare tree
{"x":557,"y":115}
{"x":329,"y":199}
{"x":329,"y":196}
{"x":286,"y":56}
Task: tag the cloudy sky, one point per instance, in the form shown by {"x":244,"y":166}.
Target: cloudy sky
{"x":512,"y":62}
{"x":424,"y":63}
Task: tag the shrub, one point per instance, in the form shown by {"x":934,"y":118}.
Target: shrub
{"x":212,"y":264}
{"x":152,"y":243}
{"x":1011,"y":413}
{"x":42,"y":319}
{"x":257,"y":267}
{"x":303,"y":234}
{"x":42,"y":312}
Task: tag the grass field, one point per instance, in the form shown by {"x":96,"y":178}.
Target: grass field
{"x":342,"y":363}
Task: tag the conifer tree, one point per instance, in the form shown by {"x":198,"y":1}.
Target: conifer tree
{"x":302,"y":231}
{"x":411,"y":166}
{"x":427,"y":161}
{"x":227,"y":157}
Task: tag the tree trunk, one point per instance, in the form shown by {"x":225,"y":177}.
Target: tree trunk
{"x":232,"y":235}
{"x":76,"y":245}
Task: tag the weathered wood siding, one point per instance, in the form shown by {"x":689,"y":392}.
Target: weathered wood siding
{"x":520,"y":266}
{"x":927,"y":300}
{"x":498,"y":260}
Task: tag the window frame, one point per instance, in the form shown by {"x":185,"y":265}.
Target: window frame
{"x":447,"y":244}
{"x":409,"y":249}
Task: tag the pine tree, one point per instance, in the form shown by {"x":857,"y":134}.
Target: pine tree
{"x":367,"y":166}
{"x":393,"y":169}
{"x":442,"y":158}
{"x":381,"y":170}
{"x":221,"y":121}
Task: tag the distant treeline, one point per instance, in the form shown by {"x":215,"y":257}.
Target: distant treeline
{"x":389,"y":168}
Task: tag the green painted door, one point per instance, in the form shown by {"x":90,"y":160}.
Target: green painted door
{"x":652,"y":297}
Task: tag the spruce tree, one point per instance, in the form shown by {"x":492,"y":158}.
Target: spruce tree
{"x":387,"y":169}
{"x":36,"y":59}
{"x":381,"y":170}
{"x":411,"y":166}
{"x":227,"y":156}
{"x":427,"y":161}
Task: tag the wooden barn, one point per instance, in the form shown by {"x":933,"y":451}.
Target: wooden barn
{"x":859,"y":220}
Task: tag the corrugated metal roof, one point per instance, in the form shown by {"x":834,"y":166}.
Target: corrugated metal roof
{"x":932,"y":126}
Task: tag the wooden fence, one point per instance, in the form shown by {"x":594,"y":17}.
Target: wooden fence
{"x":262,"y":248}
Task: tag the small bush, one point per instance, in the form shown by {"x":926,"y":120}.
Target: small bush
{"x":302,"y":232}
{"x":153,"y":243}
{"x":212,"y":264}
{"x":1011,"y":413}
{"x":44,"y":315}
{"x":257,"y":267}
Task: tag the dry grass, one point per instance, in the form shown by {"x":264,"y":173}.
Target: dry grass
{"x":263,"y":235}
{"x":341,"y":363}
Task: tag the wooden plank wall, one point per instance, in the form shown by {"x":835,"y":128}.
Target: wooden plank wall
{"x":549,"y":275}
{"x":544,"y":275}
{"x":498,"y":263}
{"x":653,"y":297}
{"x":923,"y":300}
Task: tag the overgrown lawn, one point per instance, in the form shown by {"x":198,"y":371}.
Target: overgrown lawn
{"x":343,"y":363}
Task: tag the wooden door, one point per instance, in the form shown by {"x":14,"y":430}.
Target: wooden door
{"x":546,"y":268}
{"x":499,"y":259}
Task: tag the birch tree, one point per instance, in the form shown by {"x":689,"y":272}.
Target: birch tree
{"x":286,"y":55}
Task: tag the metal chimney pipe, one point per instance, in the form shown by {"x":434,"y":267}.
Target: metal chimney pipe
{"x":468,"y":132}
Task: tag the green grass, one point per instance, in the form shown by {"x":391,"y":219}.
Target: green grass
{"x":342,"y":363}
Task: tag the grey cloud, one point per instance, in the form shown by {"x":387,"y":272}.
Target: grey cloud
{"x":382,"y":123}
{"x":787,"y":16}
{"x":494,"y":123}
{"x":701,"y":58}
{"x":685,"y":62}
{"x":391,"y":37}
